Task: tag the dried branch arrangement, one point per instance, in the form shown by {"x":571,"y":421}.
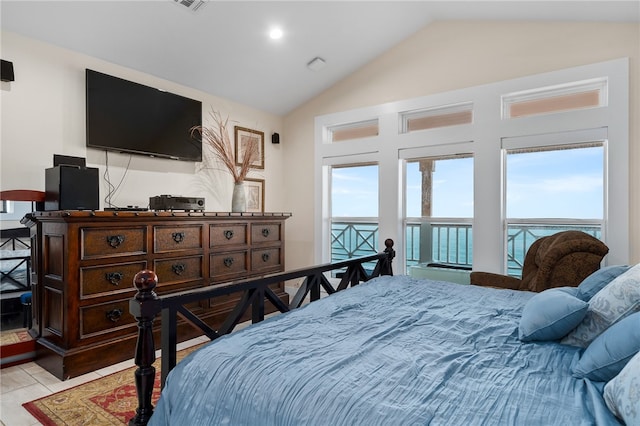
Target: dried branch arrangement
{"x":217,"y":138}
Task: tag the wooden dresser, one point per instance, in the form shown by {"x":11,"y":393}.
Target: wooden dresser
{"x":84,"y":263}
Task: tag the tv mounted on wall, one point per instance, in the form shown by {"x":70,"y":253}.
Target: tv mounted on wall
{"x":130,"y":117}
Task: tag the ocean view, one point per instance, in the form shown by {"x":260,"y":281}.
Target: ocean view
{"x":449,"y":244}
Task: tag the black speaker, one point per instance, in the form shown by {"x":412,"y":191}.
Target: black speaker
{"x":275,"y":138}
{"x":6,"y":70}
{"x":71,"y":188}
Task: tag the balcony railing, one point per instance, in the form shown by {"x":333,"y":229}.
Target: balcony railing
{"x":353,"y":239}
{"x":447,"y":242}
{"x":520,"y":236}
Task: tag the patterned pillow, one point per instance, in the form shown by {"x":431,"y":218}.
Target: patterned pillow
{"x":621,"y":393}
{"x":621,"y":297}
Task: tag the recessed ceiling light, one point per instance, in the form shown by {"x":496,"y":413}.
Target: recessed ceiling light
{"x":276,"y":33}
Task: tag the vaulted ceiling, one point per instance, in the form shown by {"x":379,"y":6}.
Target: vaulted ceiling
{"x":223,"y":48}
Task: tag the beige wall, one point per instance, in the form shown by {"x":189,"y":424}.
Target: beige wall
{"x":43,"y":112}
{"x":452,"y":55}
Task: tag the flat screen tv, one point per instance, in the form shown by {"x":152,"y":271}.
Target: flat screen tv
{"x":130,"y":117}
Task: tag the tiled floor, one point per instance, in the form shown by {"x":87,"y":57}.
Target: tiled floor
{"x":26,"y":382}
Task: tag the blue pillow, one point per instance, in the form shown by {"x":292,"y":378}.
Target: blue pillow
{"x":607,"y":355}
{"x":550,"y":315}
{"x":598,"y":280}
{"x":572,"y":291}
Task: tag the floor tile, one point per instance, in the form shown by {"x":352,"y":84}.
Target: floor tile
{"x":32,"y":368}
{"x":75,"y":381}
{"x":46,"y":379}
{"x":115,"y":368}
{"x":14,"y":378}
{"x":11,"y":408}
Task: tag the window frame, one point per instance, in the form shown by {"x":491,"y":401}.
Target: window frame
{"x":484,"y":136}
{"x":584,"y":137}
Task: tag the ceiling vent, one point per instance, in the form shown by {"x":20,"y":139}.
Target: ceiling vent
{"x":192,"y":5}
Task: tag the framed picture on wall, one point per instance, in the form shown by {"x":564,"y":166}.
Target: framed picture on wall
{"x":255,"y":195}
{"x":243,"y":138}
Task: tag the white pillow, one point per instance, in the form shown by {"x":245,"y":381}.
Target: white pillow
{"x":620,"y":298}
{"x":621,"y":393}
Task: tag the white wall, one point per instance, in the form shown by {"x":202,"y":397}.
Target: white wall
{"x":43,"y":112}
{"x":446,"y":56}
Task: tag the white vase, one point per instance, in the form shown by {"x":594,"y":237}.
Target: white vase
{"x":239,"y":198}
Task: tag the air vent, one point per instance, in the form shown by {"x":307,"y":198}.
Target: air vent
{"x":192,"y":5}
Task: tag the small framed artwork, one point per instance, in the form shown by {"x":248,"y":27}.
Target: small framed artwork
{"x":244,"y":137}
{"x":255,"y":195}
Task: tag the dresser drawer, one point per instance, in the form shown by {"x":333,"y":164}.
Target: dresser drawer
{"x":108,"y":242}
{"x":178,"y":270}
{"x":173,"y":239}
{"x":225,"y":235}
{"x":265,"y":232}
{"x":104,"y":318}
{"x":264,"y":260}
{"x":98,"y":281}
{"x":227,"y":266}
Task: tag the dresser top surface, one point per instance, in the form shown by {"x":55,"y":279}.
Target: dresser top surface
{"x":149,"y":214}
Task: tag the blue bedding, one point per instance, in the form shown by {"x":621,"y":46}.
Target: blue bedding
{"x":393,"y":351}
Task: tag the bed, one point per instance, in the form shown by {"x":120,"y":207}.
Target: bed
{"x":391,"y":351}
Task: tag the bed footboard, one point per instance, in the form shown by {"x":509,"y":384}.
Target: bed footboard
{"x":147,"y":305}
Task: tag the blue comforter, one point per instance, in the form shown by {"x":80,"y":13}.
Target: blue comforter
{"x":394,"y":351}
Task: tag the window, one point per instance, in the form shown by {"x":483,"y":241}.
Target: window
{"x":552,"y":189}
{"x":354,"y":211}
{"x":433,"y":118}
{"x":546,"y":100}
{"x":352,"y":131}
{"x":439,"y":199}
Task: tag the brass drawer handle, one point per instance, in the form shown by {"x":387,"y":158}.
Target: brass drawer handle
{"x":178,"y":237}
{"x":265,"y":232}
{"x":228,"y":261}
{"x":114,"y":315}
{"x":114,"y":277}
{"x":115,"y":240}
{"x":178,"y":268}
{"x":265,"y":257}
{"x":228,"y":234}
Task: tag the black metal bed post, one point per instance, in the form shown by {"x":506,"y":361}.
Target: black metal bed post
{"x":144,"y":307}
{"x":384,"y":266}
{"x":391,"y":253}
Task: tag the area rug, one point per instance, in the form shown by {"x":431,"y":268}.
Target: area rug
{"x":110,"y":400}
{"x":10,"y":337}
{"x":16,"y":347}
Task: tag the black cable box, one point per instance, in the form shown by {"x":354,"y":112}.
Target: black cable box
{"x":126,"y":209}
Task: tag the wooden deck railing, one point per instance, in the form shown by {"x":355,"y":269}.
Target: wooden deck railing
{"x":147,"y":305}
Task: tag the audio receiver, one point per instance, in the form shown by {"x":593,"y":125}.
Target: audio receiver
{"x":176,"y":202}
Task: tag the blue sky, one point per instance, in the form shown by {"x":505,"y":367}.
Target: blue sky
{"x":354,"y":191}
{"x":550,"y":184}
